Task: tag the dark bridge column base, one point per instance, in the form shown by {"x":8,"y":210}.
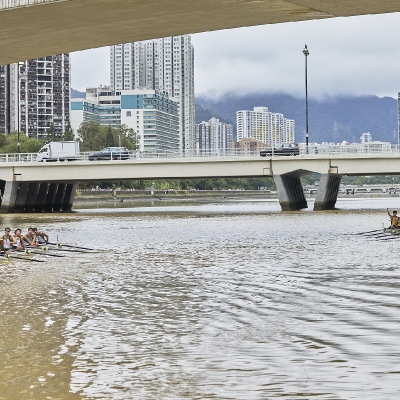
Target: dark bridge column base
{"x":290,"y":192}
{"x":36,"y":196}
{"x":327,"y":192}
{"x":9,"y":196}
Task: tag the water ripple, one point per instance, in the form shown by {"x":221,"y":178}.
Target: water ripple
{"x":224,"y":302}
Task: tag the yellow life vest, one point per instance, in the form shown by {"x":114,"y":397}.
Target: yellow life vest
{"x":394,"y":221}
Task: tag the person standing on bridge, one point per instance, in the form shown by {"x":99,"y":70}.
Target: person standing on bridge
{"x":394,"y":219}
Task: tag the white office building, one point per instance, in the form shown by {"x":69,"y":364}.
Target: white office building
{"x":213,"y":136}
{"x":165,"y":65}
{"x":153,"y":115}
{"x":265,"y":126}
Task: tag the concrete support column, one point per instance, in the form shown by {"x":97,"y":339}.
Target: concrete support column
{"x":31,"y":197}
{"x":69,"y":196}
{"x":58,"y":201}
{"x":9,"y":197}
{"x":41,"y":197}
{"x":50,"y":198}
{"x":22,"y":194}
{"x":327,"y":192}
{"x":290,"y":192}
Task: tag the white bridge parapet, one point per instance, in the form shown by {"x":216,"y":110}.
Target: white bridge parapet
{"x":15,"y":176}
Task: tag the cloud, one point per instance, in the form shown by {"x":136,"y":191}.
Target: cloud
{"x":90,"y":68}
{"x":348,"y":56}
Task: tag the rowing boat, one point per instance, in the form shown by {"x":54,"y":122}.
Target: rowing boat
{"x":382,"y":234}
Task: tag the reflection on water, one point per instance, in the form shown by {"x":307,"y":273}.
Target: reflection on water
{"x":226,"y":301}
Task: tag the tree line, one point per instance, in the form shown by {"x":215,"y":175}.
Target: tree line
{"x":91,"y":136}
{"x":189,"y":184}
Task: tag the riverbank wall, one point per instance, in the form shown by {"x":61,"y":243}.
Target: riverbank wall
{"x":83,"y":196}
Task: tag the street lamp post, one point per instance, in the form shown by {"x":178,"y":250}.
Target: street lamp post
{"x":306,"y":54}
{"x":19,"y":105}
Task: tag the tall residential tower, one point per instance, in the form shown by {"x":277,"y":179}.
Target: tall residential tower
{"x":165,"y":65}
{"x":265,"y":126}
{"x":34,"y":94}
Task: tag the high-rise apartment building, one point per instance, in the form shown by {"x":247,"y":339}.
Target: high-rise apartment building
{"x":265,"y":126}
{"x":213,"y":136}
{"x":34,"y":94}
{"x":165,"y":65}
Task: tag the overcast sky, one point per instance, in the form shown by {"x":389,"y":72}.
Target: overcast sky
{"x":348,"y":56}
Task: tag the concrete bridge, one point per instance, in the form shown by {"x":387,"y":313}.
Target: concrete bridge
{"x":36,"y":187}
{"x":36,"y":28}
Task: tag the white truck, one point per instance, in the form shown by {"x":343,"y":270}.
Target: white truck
{"x":59,"y":151}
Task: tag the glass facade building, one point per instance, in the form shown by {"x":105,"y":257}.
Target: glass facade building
{"x":153,"y":115}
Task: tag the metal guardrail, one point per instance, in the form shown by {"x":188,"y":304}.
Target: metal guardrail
{"x":135,"y":154}
{"x":10,"y":4}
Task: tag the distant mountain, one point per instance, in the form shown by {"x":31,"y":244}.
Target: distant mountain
{"x":205,"y":114}
{"x":331,"y":120}
{"x":76,"y":94}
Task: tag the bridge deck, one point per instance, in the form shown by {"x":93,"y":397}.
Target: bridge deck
{"x":37,"y":28}
{"x":190,"y":168}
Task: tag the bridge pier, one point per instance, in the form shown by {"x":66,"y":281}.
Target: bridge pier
{"x":41,"y":197}
{"x":290,"y":192}
{"x":36,"y":196}
{"x":327,"y":192}
{"x":58,"y":200}
{"x":22,"y":193}
{"x":30,"y":203}
{"x":9,"y":197}
{"x":69,"y":196}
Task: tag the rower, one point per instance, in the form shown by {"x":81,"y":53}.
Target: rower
{"x":6,"y":241}
{"x":30,"y":238}
{"x":42,"y":237}
{"x":394,"y":219}
{"x":18,"y":243}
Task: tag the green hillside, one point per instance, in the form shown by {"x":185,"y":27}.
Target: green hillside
{"x":330,"y":120}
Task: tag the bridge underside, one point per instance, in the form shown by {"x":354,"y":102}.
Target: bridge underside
{"x":62,"y":26}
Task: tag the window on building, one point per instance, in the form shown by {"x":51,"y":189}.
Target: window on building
{"x":129,"y":113}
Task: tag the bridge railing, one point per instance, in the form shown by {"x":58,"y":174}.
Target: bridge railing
{"x":320,"y":150}
{"x":136,"y":154}
{"x":9,"y":4}
{"x":349,"y":149}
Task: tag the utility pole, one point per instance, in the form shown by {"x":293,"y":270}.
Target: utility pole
{"x":306,"y":54}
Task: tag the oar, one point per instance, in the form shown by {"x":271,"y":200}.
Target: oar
{"x":391,"y":238}
{"x":41,"y":253}
{"x":364,"y":233}
{"x":68,"y":245}
{"x":385,"y":233}
{"x":45,"y":248}
{"x":380,"y":232}
{"x":22,"y":258}
{"x":388,"y":235}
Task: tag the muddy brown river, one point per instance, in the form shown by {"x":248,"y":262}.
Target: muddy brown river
{"x":232,"y":300}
